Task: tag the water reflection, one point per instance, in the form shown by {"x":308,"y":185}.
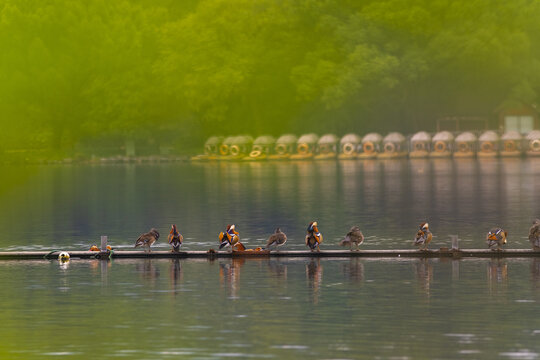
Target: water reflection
{"x":443,"y":188}
{"x":229,"y":275}
{"x":386,"y":198}
{"x":490,"y":191}
{"x":466,"y":181}
{"x":420,"y":173}
{"x":371,"y":186}
{"x":423,"y":270}
{"x":175,"y":274}
{"x":274,"y":292}
{"x":314,"y":274}
{"x":278,"y":269}
{"x":535,"y":273}
{"x":497,"y":271}
{"x":353,"y":270}
{"x":350,"y":174}
{"x":147,"y":270}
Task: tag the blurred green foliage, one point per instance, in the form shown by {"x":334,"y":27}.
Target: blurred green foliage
{"x":174,"y":72}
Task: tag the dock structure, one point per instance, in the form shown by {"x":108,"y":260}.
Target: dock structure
{"x":441,"y":253}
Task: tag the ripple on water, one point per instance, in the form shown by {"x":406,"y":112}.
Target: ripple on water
{"x":239,"y":355}
{"x":291,"y":347}
{"x":521,"y":354}
{"x":469,"y":352}
{"x":61,"y":353}
{"x":463,"y":338}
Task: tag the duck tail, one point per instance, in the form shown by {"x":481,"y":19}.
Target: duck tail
{"x":224,"y":244}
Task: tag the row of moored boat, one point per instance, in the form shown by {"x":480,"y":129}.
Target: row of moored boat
{"x":373,"y":145}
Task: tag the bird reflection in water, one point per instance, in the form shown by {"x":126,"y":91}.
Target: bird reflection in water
{"x":535,"y":272}
{"x":497,"y":271}
{"x":175,"y":274}
{"x":314,"y":273}
{"x":353,"y":270}
{"x":424,"y":274}
{"x":229,"y":274}
{"x":147,"y":270}
{"x":278,"y":269}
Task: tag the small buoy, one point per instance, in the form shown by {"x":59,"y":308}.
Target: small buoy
{"x":95,"y":248}
{"x":63,"y":256}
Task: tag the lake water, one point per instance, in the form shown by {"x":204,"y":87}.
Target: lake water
{"x":272,"y":308}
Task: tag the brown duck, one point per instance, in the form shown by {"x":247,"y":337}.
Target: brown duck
{"x":354,"y":236}
{"x":534,"y":235}
{"x":147,"y":239}
{"x":278,"y":238}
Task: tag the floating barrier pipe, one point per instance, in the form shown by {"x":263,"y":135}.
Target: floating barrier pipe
{"x":441,"y":253}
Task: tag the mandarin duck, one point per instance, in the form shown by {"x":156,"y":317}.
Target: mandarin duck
{"x":278,"y":238}
{"x":147,"y":239}
{"x":228,"y":238}
{"x":534,"y":235}
{"x":354,"y":236}
{"x":496,"y":238}
{"x":313,"y":237}
{"x":175,"y":239}
{"x":423,"y":236}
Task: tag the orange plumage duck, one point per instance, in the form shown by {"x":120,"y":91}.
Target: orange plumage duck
{"x":423,"y":236}
{"x":496,"y":238}
{"x":175,"y":239}
{"x":229,"y":238}
{"x":313,"y":238}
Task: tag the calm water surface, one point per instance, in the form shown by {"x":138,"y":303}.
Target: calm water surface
{"x":272,"y":308}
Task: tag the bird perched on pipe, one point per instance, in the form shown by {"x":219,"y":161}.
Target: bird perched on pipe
{"x":278,"y":238}
{"x":175,"y":239}
{"x":496,"y":238}
{"x":534,"y":235}
{"x":147,"y":239}
{"x":229,"y":238}
{"x":313,"y":238}
{"x":423,"y":236}
{"x":354,"y":236}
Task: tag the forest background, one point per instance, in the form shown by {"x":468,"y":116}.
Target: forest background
{"x":79,"y":76}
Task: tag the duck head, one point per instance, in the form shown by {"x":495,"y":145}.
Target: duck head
{"x":424,"y":226}
{"x":313,"y":227}
{"x":174,"y":230}
{"x":278,"y":230}
{"x":493,"y":235}
{"x":155,"y":233}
